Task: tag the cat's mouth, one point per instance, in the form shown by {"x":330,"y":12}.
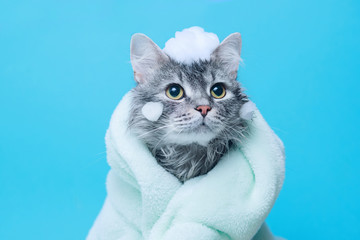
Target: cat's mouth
{"x":200,"y":126}
{"x":201,"y":129}
{"x":199,"y":132}
{"x":203,"y":126}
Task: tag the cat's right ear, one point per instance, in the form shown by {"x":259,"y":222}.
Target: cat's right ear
{"x":146,"y":57}
{"x":228,"y":53}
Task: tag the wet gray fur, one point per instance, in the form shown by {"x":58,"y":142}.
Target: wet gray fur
{"x":167,"y":138}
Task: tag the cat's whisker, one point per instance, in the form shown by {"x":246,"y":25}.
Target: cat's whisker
{"x":163,"y":138}
{"x":230,"y":135}
{"x":182,"y":116}
{"x":237,"y":131}
{"x":214,"y":120}
{"x":151,"y":131}
{"x":187,"y":123}
{"x":183,"y":119}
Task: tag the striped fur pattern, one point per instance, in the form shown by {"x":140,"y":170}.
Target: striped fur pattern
{"x":179,"y":140}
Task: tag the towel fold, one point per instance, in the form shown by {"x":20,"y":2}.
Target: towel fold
{"x":230,"y":202}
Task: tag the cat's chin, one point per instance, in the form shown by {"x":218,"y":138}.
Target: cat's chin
{"x":200,"y":137}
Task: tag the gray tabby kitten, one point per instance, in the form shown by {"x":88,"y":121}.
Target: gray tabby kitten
{"x":196,"y":106}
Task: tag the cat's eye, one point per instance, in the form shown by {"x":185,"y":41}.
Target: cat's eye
{"x":174,"y":91}
{"x":218,"y":91}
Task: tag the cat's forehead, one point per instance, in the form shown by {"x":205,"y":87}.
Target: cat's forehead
{"x":198,"y":74}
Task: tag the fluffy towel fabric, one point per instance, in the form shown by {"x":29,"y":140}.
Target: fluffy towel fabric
{"x":230,"y":202}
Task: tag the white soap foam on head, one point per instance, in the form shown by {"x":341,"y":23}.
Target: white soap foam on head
{"x":191,"y":44}
{"x":152,"y":110}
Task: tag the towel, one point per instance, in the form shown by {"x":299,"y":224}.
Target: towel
{"x":232,"y":201}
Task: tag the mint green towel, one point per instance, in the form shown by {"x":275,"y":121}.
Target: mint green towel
{"x":231,"y":202}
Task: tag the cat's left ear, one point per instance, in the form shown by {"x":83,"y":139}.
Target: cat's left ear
{"x":228,"y":53}
{"x":146,"y":57}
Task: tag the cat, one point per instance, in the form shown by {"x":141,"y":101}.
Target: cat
{"x":194,"y":117}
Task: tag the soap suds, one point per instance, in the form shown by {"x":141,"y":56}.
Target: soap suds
{"x":191,"y":44}
{"x":152,"y":110}
{"x":247,"y":110}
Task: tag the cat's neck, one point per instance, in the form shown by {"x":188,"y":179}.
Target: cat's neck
{"x":191,"y":160}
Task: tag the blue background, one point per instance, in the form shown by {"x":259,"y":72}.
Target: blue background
{"x":64,"y":65}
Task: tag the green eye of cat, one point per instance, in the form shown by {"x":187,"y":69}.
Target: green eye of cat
{"x":174,"y":91}
{"x":218,"y":91}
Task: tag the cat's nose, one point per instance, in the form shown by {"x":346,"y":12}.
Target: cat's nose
{"x":203,"y":109}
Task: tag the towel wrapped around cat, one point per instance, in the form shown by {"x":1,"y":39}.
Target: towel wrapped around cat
{"x":232,"y":201}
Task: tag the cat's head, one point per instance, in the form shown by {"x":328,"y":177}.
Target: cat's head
{"x":177,"y":103}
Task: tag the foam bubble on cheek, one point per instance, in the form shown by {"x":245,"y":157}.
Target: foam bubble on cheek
{"x":152,"y":110}
{"x":247,"y":110}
